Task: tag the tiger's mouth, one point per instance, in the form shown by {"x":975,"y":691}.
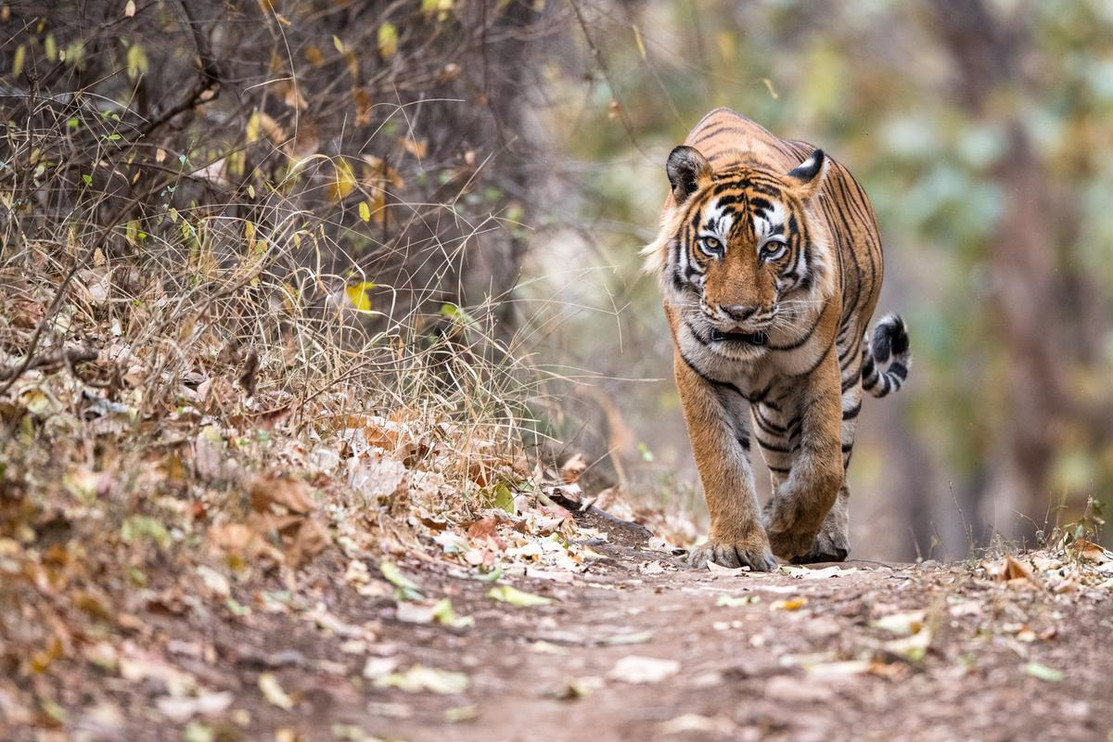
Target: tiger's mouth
{"x":749,"y":338}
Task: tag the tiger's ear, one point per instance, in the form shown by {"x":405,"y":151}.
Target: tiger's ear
{"x":808,"y":175}
{"x":688,"y":172}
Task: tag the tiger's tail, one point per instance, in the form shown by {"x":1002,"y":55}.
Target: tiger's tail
{"x":889,"y":339}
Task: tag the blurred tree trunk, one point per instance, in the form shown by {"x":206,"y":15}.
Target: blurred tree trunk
{"x":504,"y":88}
{"x":987,"y":51}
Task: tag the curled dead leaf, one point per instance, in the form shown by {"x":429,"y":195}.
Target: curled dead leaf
{"x":291,"y":495}
{"x":572,"y":469}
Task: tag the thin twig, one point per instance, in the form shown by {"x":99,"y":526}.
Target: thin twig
{"x":602,"y":62}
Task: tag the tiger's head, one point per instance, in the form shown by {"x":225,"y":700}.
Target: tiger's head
{"x":740,"y":257}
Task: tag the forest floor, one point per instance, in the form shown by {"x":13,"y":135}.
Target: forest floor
{"x":192,"y":557}
{"x":630,"y":644}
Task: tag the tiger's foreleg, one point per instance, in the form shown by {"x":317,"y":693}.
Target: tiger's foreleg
{"x":720,"y":443}
{"x":803,"y":500}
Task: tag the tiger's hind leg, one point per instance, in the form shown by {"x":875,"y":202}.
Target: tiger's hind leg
{"x":832,"y":543}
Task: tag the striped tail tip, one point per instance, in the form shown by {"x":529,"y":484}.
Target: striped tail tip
{"x":886,"y":346}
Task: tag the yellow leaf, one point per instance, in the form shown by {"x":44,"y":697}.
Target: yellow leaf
{"x":345,"y":181}
{"x":137,"y":61}
{"x":770,"y":88}
{"x":388,"y":40}
{"x":364,"y":211}
{"x":790,"y":604}
{"x":17,"y":60}
{"x":273,"y":692}
{"x":338,"y":43}
{"x":261,"y":125}
{"x":440,"y":7}
{"x":357,"y":295}
{"x":639,"y":42}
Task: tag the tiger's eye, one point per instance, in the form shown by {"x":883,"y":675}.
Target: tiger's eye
{"x":773,"y":250}
{"x":711,"y":243}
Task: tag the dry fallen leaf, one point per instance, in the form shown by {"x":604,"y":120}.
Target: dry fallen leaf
{"x":420,"y":678}
{"x":181,"y":710}
{"x":905,"y":623}
{"x":788,"y":604}
{"x":1009,"y":570}
{"x":273,"y":692}
{"x":1042,"y":672}
{"x":572,"y":469}
{"x":1090,"y":551}
{"x":635,"y":669}
{"x":289,"y":495}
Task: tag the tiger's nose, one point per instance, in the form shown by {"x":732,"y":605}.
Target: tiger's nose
{"x":737,"y":312}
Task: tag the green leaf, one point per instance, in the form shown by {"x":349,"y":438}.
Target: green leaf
{"x":1043,"y":672}
{"x":88,"y":179}
{"x":516,"y":597}
{"x":407,"y":588}
{"x":457,"y":313}
{"x":443,"y":613}
{"x":504,"y":499}
{"x":236,"y":608}
{"x":364,"y":211}
{"x":144,"y":527}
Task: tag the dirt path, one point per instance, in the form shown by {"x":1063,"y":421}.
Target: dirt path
{"x":762,"y":670}
{"x":637,"y":647}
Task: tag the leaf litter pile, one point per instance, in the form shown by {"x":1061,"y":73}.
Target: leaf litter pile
{"x":241,"y":564}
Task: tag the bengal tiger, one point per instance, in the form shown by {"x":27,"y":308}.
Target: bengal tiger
{"x":770,"y":263}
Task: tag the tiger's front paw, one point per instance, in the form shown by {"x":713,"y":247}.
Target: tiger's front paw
{"x":752,"y":553}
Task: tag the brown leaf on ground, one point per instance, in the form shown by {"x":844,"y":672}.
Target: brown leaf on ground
{"x":483,"y":529}
{"x":1009,"y":570}
{"x":573,"y":468}
{"x":243,"y":542}
{"x":1090,"y":551}
{"x":291,"y":494}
